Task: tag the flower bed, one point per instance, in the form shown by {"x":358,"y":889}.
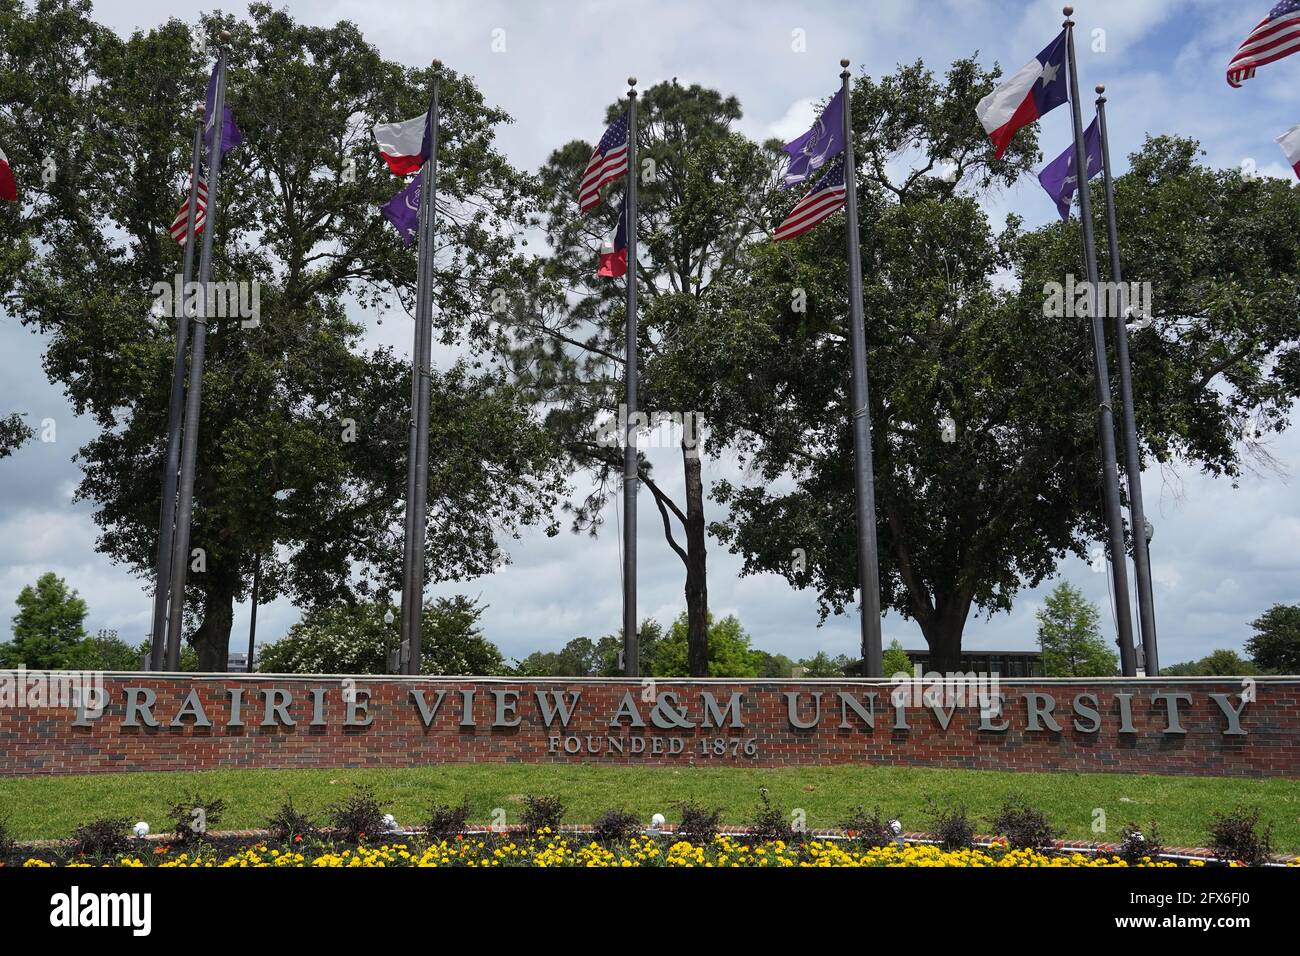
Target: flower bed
{"x":546,"y":849}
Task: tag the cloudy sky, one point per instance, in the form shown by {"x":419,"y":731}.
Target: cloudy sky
{"x":1221,"y":554}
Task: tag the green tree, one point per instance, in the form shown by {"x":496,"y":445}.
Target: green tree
{"x":48,"y":626}
{"x":773,"y":665}
{"x":1069,"y":637}
{"x":1220,"y":663}
{"x":1275,"y":645}
{"x":353,"y":639}
{"x":822,"y":664}
{"x":104,"y":651}
{"x":896,"y":660}
{"x":957,"y":331}
{"x":14,"y":433}
{"x":699,"y":181}
{"x":730,"y":654}
{"x":302,"y":447}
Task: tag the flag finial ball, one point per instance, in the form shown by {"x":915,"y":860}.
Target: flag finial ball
{"x":1068,"y":11}
{"x":1101,"y":88}
{"x":225,"y":36}
{"x":631,"y":81}
{"x":845,"y":63}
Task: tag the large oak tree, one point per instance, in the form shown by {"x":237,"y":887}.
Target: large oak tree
{"x":303,"y":434}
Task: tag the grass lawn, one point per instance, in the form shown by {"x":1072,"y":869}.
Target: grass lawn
{"x":50,"y":807}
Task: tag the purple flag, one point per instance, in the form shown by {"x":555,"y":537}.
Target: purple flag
{"x":1059,"y":178}
{"x":230,"y":134}
{"x":403,"y":210}
{"x":815,"y":148}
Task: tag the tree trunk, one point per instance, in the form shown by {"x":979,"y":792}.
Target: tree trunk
{"x":697,"y":591}
{"x":212,"y":639}
{"x":943,"y":633}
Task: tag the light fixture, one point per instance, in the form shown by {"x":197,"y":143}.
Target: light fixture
{"x":141,"y":829}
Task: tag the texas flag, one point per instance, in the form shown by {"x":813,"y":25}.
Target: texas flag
{"x":1034,"y":91}
{"x":404,"y":145}
{"x":8,"y":188}
{"x":613,"y":255}
{"x":1290,"y":143}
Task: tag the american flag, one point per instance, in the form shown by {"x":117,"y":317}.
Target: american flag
{"x":823,"y":201}
{"x":608,"y":163}
{"x":179,"y":224}
{"x":1277,"y":36}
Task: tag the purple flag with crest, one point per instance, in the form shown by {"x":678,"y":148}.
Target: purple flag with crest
{"x":815,"y":148}
{"x":230,"y":134}
{"x":403,"y":210}
{"x":1059,"y":178}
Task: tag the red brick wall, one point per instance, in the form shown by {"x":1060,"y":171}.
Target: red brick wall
{"x":44,"y":740}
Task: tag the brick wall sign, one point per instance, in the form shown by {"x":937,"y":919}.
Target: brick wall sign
{"x":125,"y":722}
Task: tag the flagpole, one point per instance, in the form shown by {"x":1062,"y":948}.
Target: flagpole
{"x":1132,"y":459}
{"x":863,"y":466}
{"x":194,"y":394}
{"x":424,"y":358}
{"x":1105,"y":415}
{"x":175,"y":410}
{"x":631,"y":640}
{"x":412,"y":453}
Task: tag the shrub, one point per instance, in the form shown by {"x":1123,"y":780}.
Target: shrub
{"x":193,"y":817}
{"x":290,"y":825}
{"x":699,"y":825}
{"x":952,"y":827}
{"x":868,"y":829}
{"x":1235,"y":836}
{"x":106,"y":836}
{"x":358,"y":815}
{"x":1136,"y":844}
{"x":1025,"y":827}
{"x":615,"y":826}
{"x":446,"y":822}
{"x":768,"y":824}
{"x":542,"y":813}
{"x":7,"y":843}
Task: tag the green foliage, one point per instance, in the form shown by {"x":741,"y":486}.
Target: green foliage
{"x":956,"y":327}
{"x":822,"y":664}
{"x":354,"y":639}
{"x":729,"y":652}
{"x":276,"y":475}
{"x":14,"y":433}
{"x":1068,"y":634}
{"x":1220,"y":663}
{"x":1275,"y":645}
{"x":895,"y":660}
{"x":105,"y":651}
{"x":48,"y":627}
